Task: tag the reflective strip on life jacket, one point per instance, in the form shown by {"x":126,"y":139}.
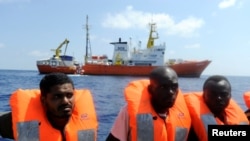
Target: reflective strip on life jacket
{"x":243,"y":123}
{"x":145,"y":127}
{"x":86,"y":135}
{"x":181,"y":133}
{"x":28,"y":131}
{"x":208,"y":119}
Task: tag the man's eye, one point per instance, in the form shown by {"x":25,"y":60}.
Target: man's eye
{"x":224,"y":94}
{"x":69,"y":95}
{"x":56,"y":96}
{"x":163,"y":86}
{"x":173,"y":86}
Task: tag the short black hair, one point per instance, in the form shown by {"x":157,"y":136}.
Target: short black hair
{"x":162,"y":72}
{"x":52,"y":79}
{"x":215,"y":78}
{"x":157,"y":72}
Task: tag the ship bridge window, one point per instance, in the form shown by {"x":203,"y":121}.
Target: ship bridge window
{"x":121,"y":49}
{"x":159,"y":49}
{"x":53,"y":63}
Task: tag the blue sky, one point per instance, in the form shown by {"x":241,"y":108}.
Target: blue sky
{"x":217,"y":30}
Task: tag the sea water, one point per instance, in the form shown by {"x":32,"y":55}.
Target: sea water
{"x":107,"y":91}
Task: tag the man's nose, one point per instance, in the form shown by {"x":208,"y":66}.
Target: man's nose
{"x":171,"y":91}
{"x":65,"y":100}
{"x":219,"y":98}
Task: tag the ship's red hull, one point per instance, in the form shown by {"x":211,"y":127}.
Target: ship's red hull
{"x":45,"y":69}
{"x":185,"y":69}
{"x":190,"y":69}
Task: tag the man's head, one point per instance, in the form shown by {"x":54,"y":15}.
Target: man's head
{"x":163,"y":88}
{"x":57,"y":95}
{"x":217,"y":93}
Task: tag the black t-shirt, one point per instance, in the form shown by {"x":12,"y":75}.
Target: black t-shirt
{"x":6,"y":126}
{"x":192,"y":135}
{"x":247,"y":112}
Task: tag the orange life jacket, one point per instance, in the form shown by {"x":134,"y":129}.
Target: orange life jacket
{"x":30,"y":122}
{"x":246,"y":97}
{"x":145,"y":124}
{"x":202,"y":117}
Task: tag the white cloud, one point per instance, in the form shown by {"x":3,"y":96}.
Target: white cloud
{"x":130,"y":18}
{"x":187,"y":27}
{"x":226,"y":4}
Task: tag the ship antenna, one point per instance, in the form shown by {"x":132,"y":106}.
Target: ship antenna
{"x":88,"y":46}
{"x":130,"y":42}
{"x":139,"y":44}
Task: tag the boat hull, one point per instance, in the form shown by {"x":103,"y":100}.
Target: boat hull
{"x":64,"y":64}
{"x":45,"y":69}
{"x":185,"y":69}
{"x":190,"y":68}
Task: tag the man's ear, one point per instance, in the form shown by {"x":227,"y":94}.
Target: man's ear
{"x":42,"y":99}
{"x":150,"y":89}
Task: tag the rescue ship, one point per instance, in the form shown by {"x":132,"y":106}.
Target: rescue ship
{"x":138,"y":62}
{"x":59,"y":63}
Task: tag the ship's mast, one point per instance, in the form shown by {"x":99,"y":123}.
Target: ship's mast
{"x":151,"y":38}
{"x":88,"y":47}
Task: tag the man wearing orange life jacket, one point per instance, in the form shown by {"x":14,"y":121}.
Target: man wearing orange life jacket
{"x":56,"y":113}
{"x":213,"y":106}
{"x":246,"y":97}
{"x":155,"y":110}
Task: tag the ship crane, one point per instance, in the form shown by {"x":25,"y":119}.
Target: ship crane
{"x":58,"y":50}
{"x":152,"y":38}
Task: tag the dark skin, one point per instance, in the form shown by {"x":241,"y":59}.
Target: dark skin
{"x":217,"y":95}
{"x":58,"y":104}
{"x":163,"y":89}
{"x":57,"y":98}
